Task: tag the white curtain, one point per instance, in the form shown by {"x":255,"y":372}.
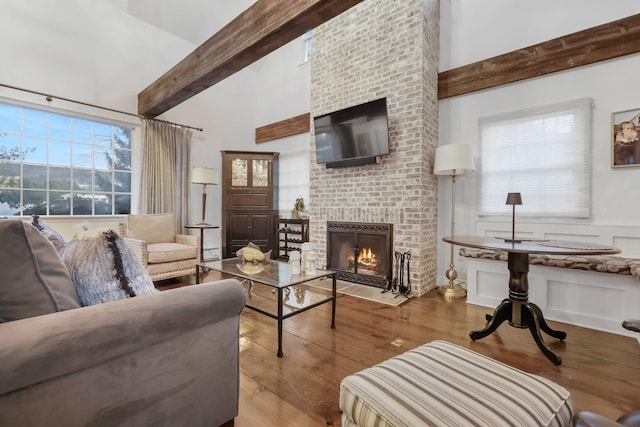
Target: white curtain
{"x":164,"y":181}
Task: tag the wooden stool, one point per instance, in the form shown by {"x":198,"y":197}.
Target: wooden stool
{"x":443,"y":384}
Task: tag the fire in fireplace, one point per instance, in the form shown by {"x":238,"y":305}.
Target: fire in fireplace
{"x":360,"y":252}
{"x":364,"y":260}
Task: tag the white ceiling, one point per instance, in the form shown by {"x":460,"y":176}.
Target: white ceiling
{"x":191,"y":20}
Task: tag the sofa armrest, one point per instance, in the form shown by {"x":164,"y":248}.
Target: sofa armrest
{"x":42,"y":348}
{"x":139,"y":248}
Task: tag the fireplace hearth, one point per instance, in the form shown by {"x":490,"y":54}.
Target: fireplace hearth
{"x":360,"y":252}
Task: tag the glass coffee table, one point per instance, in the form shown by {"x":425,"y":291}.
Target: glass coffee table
{"x":273,"y":291}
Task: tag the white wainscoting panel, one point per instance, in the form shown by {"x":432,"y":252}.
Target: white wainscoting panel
{"x":593,"y":300}
{"x":489,"y":286}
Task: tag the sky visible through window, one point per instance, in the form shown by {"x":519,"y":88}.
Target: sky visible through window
{"x":54,"y":164}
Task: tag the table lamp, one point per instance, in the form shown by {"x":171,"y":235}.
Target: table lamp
{"x":205,"y":176}
{"x":513,"y":199}
{"x":453,"y":160}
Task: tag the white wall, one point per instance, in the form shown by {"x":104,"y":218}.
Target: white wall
{"x":97,"y":53}
{"x":473,"y":30}
{"x":88,"y":51}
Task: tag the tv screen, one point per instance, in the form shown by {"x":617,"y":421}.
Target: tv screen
{"x":358,"y":132}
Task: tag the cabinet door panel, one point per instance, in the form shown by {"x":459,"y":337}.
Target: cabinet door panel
{"x":238,"y":232}
{"x":239,"y":226}
{"x":239,"y":172}
{"x":261,"y":173}
{"x":261,"y":227}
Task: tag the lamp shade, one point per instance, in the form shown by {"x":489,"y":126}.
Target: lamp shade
{"x":453,"y":159}
{"x":204,"y":175}
{"x":514,"y":199}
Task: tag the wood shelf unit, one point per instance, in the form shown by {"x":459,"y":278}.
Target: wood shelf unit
{"x":291,"y":233}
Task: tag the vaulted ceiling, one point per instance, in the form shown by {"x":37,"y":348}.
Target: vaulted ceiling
{"x":191,"y":20}
{"x":257,"y":31}
{"x":197,"y":20}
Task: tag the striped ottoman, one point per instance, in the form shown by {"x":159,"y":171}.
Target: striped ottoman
{"x":442,"y":384}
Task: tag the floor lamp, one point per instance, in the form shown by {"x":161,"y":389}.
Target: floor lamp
{"x":205,"y":176}
{"x":453,"y":160}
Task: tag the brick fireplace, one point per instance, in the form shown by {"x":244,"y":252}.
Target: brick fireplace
{"x":382,"y":48}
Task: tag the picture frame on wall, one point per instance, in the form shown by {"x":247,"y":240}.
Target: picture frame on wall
{"x":625,"y":143}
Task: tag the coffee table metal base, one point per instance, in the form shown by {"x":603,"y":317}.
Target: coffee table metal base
{"x":277,"y":276}
{"x":280,"y":316}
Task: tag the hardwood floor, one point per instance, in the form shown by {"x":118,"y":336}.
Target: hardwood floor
{"x":601,"y":370}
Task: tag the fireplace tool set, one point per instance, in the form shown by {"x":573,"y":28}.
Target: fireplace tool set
{"x":397,"y":285}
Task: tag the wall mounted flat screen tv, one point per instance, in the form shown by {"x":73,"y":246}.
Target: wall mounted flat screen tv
{"x":353,"y":136}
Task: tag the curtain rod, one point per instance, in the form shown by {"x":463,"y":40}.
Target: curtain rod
{"x":50,"y":98}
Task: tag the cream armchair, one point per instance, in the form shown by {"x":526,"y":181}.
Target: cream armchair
{"x":164,"y":253}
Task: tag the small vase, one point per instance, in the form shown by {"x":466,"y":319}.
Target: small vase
{"x":295,"y":214}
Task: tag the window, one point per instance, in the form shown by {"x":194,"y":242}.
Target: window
{"x":53,"y":164}
{"x":542,"y":153}
{"x":293,"y":178}
{"x":306,"y":46}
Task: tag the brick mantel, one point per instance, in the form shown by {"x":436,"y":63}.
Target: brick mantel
{"x":382,"y":48}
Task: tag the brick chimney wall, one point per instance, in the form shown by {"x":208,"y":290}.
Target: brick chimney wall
{"x":382,"y":48}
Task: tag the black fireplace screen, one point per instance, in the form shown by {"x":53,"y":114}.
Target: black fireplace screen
{"x":360,"y":252}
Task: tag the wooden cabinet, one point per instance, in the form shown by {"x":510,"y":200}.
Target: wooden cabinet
{"x":292,"y":233}
{"x":248,"y":226}
{"x":249,"y":200}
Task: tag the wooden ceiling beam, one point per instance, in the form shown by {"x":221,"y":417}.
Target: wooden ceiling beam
{"x":600,"y":43}
{"x":256,"y":32}
{"x":292,"y":126}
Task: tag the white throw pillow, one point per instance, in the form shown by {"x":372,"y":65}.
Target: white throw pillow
{"x":103,"y":268}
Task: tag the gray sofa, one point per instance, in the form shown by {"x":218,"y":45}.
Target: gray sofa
{"x":164,"y":359}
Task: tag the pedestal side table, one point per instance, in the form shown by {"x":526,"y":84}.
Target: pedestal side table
{"x":517,"y":309}
{"x":201,"y":227}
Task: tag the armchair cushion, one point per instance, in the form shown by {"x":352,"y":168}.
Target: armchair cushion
{"x":103,"y":268}
{"x":169,"y":252}
{"x":154,"y":228}
{"x":34,"y":279}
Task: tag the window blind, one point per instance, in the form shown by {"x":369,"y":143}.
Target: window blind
{"x":543,"y":153}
